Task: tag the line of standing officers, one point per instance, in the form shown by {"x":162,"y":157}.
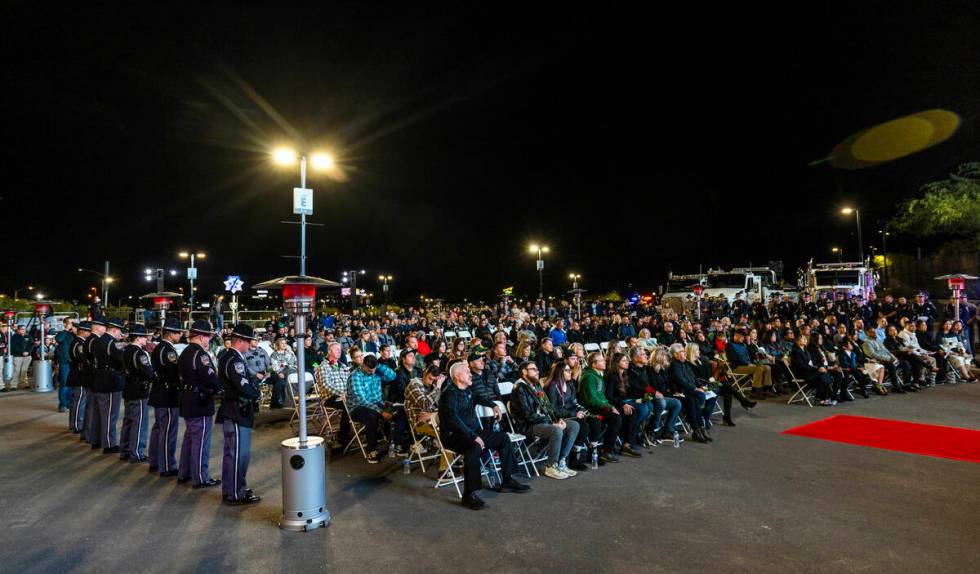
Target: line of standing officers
{"x":108,"y":374}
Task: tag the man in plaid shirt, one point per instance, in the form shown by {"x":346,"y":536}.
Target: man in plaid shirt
{"x":365,"y":402}
{"x":422,"y":399}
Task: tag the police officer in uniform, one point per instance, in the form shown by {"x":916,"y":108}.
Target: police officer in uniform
{"x":139,"y":375}
{"x":199,"y":384}
{"x":90,"y":430}
{"x":924,"y":310}
{"x":78,"y":379}
{"x":108,"y":384}
{"x":237,"y":416}
{"x":165,"y":400}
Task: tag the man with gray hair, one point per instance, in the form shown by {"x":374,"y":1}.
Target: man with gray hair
{"x":461,"y":432}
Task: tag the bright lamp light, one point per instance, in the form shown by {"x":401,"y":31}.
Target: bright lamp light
{"x":847,"y":210}
{"x":284,"y":156}
{"x":322,"y":161}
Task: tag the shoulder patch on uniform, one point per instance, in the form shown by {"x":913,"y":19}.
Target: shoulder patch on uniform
{"x":239,"y":368}
{"x":121,"y":346}
{"x":172,"y":356}
{"x":205,"y":360}
{"x":144,"y":359}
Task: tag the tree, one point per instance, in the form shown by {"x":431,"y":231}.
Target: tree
{"x":950,"y":207}
{"x":612,"y":296}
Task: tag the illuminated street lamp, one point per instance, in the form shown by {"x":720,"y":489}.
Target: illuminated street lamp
{"x":540,"y":249}
{"x":857,"y":214}
{"x":839,"y":252}
{"x":302,"y":197}
{"x":385,"y":279}
{"x":192,"y":270}
{"x":577,"y":293}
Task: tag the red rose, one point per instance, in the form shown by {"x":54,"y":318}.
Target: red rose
{"x":649,"y":390}
{"x":540,"y":394}
{"x":599,"y":417}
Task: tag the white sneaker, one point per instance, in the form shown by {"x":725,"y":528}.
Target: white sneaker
{"x":554,"y":472}
{"x":563,"y":467}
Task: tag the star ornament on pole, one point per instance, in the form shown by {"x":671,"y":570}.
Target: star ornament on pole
{"x":233,"y":284}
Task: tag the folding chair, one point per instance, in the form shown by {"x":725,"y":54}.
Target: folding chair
{"x":604,"y":345}
{"x":741,"y":382}
{"x":292,"y":389}
{"x":591,"y":347}
{"x":803,"y":392}
{"x":448,"y":476}
{"x":525,"y":457}
{"x":415,"y":455}
{"x":323,"y":411}
{"x":489,"y":462}
{"x":464,"y":335}
{"x":449,"y":335}
{"x":358,"y":430}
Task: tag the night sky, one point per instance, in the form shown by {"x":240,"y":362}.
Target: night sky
{"x":630,"y":143}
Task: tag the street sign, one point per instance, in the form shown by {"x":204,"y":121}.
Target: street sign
{"x":233,"y":284}
{"x":192,"y":273}
{"x":345,"y":291}
{"x":302,"y":201}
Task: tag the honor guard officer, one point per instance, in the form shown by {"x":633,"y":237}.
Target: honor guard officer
{"x":78,"y":375}
{"x":108,"y":384}
{"x":139,"y":375}
{"x":924,"y":310}
{"x":90,"y":431}
{"x":199,"y":384}
{"x":165,"y":400}
{"x":237,"y":416}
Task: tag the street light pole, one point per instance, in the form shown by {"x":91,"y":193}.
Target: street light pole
{"x":540,"y":249}
{"x":385,"y":279}
{"x":19,"y":289}
{"x":857,"y":215}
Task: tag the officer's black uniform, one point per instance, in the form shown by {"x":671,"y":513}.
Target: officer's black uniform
{"x":90,"y":432}
{"x":237,"y":415}
{"x":79,"y":381}
{"x":136,"y":392}
{"x":108,"y":385}
{"x":199,"y":384}
{"x":165,"y":400}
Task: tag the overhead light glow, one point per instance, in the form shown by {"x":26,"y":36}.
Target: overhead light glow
{"x":284,"y":156}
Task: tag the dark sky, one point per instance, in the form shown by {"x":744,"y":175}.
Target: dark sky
{"x":630,"y":142}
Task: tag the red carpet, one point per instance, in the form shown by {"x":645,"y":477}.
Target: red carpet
{"x":929,"y":440}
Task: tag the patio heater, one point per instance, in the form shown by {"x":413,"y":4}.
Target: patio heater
{"x":42,"y":367}
{"x":304,"y":501}
{"x":956,"y":283}
{"x":8,"y":360}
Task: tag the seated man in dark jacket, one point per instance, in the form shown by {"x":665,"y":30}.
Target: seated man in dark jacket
{"x":929,"y":344}
{"x":461,"y":433}
{"x":534,"y":415}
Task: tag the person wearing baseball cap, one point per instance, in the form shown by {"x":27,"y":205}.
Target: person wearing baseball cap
{"x":199,"y":385}
{"x":237,"y":416}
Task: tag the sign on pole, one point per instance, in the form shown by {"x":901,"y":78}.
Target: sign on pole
{"x":192,"y":273}
{"x":302,"y":201}
{"x":233,"y":284}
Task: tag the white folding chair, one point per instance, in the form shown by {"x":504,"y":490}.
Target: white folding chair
{"x":450,"y":335}
{"x":803,"y":393}
{"x":415,"y":452}
{"x":526,"y":458}
{"x":292,"y":388}
{"x":489,"y":462}
{"x":591,"y":347}
{"x":324,"y":413}
{"x":464,"y":335}
{"x":604,"y":345}
{"x":505,"y":388}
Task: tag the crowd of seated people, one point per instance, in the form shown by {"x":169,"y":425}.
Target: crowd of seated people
{"x":657,"y":378}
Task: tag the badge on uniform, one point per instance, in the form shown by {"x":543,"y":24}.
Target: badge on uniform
{"x":145,"y":360}
{"x":121,"y":346}
{"x":205,"y":360}
{"x":240,"y":368}
{"x":172,"y":356}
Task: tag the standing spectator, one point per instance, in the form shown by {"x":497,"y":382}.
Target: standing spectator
{"x":64,"y":339}
{"x":217,"y":317}
{"x":95,"y":309}
{"x":21,"y":347}
{"x":258,"y":362}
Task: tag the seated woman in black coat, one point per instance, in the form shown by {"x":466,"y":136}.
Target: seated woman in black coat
{"x":816,"y":377}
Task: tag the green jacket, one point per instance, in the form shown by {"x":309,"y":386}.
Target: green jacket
{"x":592,"y":391}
